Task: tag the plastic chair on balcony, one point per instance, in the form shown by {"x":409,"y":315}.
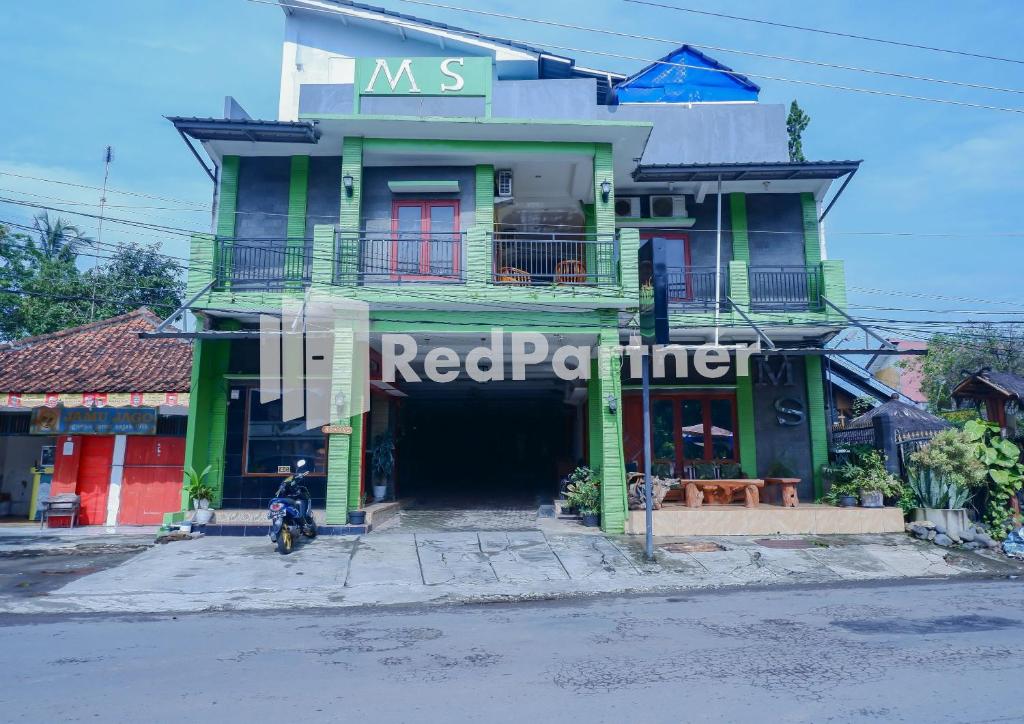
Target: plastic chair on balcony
{"x":570,"y":271}
{"x":514,"y":277}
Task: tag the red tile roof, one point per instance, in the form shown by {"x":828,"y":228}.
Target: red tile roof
{"x":105,"y":356}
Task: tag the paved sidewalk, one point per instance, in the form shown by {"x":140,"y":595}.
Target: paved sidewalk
{"x":442,"y":567}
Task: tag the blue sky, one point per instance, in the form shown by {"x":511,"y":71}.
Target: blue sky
{"x":78,"y":76}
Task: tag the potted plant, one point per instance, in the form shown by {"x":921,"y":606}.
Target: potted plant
{"x":939,"y":500}
{"x":584,"y":494}
{"x":383,"y":465}
{"x":199,"y":493}
{"x":864,"y":475}
{"x":875,"y":482}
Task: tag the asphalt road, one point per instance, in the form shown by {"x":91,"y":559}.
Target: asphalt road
{"x":946,"y":651}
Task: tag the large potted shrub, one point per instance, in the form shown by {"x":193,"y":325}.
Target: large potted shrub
{"x":862,"y":475}
{"x":584,"y":494}
{"x":383,"y":465}
{"x":200,"y":494}
{"x":939,"y":499}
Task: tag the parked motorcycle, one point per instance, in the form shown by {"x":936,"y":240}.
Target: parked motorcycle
{"x":291,"y":511}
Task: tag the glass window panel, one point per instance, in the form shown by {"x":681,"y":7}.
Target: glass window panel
{"x":663,"y":440}
{"x":692,"y":424}
{"x":723,"y":438}
{"x":410,"y":237}
{"x":272,"y":442}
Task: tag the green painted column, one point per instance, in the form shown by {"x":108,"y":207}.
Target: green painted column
{"x":738,"y":221}
{"x":349,"y":216}
{"x":207,"y":414}
{"x":817,"y":421}
{"x":478,"y":260}
{"x":739,"y":284}
{"x":745,"y":417}
{"x":812,"y":244}
{"x":200,"y":263}
{"x":629,"y":262}
{"x":298,"y":191}
{"x":604,"y":211}
{"x":355,"y":463}
{"x":340,"y":469}
{"x":613,"y":463}
{"x":227,"y":205}
{"x":833,"y":282}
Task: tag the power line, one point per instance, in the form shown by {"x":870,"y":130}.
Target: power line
{"x":677,"y":43}
{"x":99,"y":188}
{"x":822,"y":31}
{"x":729,"y":72}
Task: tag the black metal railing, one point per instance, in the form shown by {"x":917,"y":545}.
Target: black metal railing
{"x":785,"y":288}
{"x":526,"y":259}
{"x":262,"y":263}
{"x":386,"y":258}
{"x":693,"y":287}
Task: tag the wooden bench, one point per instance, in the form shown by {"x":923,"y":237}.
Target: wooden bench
{"x":722,"y":492}
{"x":787,"y":488}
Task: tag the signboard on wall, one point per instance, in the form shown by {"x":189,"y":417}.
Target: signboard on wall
{"x":452,"y":76}
{"x":93,"y":421}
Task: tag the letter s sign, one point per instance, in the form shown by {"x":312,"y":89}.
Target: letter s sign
{"x":789,"y":412}
{"x":460,"y":82}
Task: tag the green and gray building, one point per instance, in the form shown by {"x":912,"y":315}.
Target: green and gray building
{"x":457,"y":183}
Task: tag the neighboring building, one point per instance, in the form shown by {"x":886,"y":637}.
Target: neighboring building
{"x":456,"y":183}
{"x":97,"y":411}
{"x":902,"y":373}
{"x":852,"y":386}
{"x":996,"y":394}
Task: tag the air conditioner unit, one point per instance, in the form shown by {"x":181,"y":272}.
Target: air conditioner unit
{"x":504,"y":183}
{"x":627,"y":207}
{"x":663,"y":207}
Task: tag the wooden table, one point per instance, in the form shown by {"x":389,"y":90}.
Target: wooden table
{"x":722,"y":492}
{"x":788,"y":488}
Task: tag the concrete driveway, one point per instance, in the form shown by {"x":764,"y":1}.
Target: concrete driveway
{"x":247,"y":574}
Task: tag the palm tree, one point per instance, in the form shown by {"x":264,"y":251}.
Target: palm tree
{"x":58,"y":239}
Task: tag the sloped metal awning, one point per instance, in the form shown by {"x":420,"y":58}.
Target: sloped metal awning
{"x":254,"y":131}
{"x":772,"y":171}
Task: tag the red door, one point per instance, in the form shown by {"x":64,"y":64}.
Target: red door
{"x":425,"y":243}
{"x":94,"y":477}
{"x":151,"y":485}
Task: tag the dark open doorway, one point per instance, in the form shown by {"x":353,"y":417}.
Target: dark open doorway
{"x":475,"y":446}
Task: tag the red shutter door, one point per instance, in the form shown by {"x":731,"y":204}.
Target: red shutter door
{"x":94,"y":477}
{"x":151,"y":485}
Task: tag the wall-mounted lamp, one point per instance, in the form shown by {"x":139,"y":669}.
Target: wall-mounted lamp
{"x":606,"y":190}
{"x":613,"y":404}
{"x":349,"y":183}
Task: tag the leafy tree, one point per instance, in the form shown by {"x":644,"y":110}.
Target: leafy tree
{"x":796,"y":123}
{"x":968,"y":349}
{"x":42,"y":290}
{"x":138,"y":275}
{"x":58,"y":239}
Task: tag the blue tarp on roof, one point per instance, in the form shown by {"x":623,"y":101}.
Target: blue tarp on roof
{"x":686,"y":75}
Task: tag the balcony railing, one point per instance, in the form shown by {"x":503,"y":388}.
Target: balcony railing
{"x":403,"y":258}
{"x":524,"y":259}
{"x":262,"y":263}
{"x":693,"y":288}
{"x":785,"y":288}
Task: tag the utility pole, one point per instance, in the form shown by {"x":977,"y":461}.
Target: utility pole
{"x":108,"y":157}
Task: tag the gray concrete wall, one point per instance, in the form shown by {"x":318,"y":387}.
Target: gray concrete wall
{"x":789,"y":445}
{"x":703,"y":133}
{"x":326,"y":98}
{"x":377,"y":197}
{"x":262,"y":211}
{"x":562,"y":99}
{"x":776,"y":225}
{"x":702,"y":233}
{"x":323,"y":201}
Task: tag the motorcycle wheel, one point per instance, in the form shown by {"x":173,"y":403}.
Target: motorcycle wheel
{"x":284,"y":541}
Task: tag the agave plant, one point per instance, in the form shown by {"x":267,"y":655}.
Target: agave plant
{"x":933,"y":490}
